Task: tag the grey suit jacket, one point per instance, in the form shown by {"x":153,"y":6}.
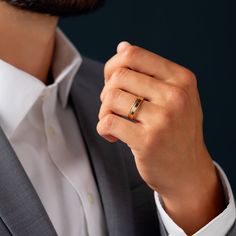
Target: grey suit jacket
{"x":128,"y":203}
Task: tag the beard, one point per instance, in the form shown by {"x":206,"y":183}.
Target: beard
{"x":58,"y":7}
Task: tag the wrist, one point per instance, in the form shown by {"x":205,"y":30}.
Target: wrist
{"x":196,"y":204}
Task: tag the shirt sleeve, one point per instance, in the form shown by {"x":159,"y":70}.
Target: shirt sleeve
{"x":220,"y":225}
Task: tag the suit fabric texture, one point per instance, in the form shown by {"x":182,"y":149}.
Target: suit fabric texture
{"x":128,"y":203}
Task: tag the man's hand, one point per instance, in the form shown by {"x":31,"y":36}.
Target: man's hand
{"x":166,"y":138}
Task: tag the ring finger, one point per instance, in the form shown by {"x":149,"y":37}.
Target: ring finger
{"x":120,"y":102}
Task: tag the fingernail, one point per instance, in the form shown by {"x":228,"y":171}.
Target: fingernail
{"x":122,"y":46}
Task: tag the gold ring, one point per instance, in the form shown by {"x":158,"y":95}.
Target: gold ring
{"x":134,"y":108}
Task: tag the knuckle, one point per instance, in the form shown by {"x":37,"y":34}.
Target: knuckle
{"x":102,"y":94}
{"x":100,"y":115}
{"x":131,"y":52}
{"x":186,"y":73}
{"x":105,"y":125}
{"x":102,"y":112}
{"x":191,"y":82}
{"x":107,"y":67}
{"x":108,"y":122}
{"x":112,"y":95}
{"x":188,"y":78}
{"x":119,"y":73}
{"x":177,"y":98}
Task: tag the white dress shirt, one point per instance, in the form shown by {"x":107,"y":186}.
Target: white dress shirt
{"x":44,"y":133}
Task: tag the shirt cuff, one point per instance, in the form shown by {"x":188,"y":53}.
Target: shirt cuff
{"x":220,"y":225}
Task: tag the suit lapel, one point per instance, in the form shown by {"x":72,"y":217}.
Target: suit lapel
{"x":20,"y":207}
{"x":106,"y":161}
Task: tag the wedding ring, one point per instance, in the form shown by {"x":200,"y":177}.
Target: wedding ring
{"x":135,"y":107}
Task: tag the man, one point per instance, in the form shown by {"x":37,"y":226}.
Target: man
{"x":59,"y":177}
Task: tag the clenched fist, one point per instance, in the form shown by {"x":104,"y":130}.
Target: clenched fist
{"x":166,"y":135}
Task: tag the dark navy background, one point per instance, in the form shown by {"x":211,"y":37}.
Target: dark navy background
{"x":197,"y":34}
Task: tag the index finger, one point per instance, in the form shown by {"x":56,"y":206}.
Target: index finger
{"x":142,"y":61}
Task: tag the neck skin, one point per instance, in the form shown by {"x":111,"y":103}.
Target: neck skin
{"x":27,"y":40}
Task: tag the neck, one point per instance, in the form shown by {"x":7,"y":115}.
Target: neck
{"x":27,"y":40}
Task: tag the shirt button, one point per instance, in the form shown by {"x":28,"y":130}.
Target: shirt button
{"x":90,"y":197}
{"x":51,"y":131}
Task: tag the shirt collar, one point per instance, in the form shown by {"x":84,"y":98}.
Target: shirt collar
{"x":66,"y":62}
{"x":20,"y":90}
